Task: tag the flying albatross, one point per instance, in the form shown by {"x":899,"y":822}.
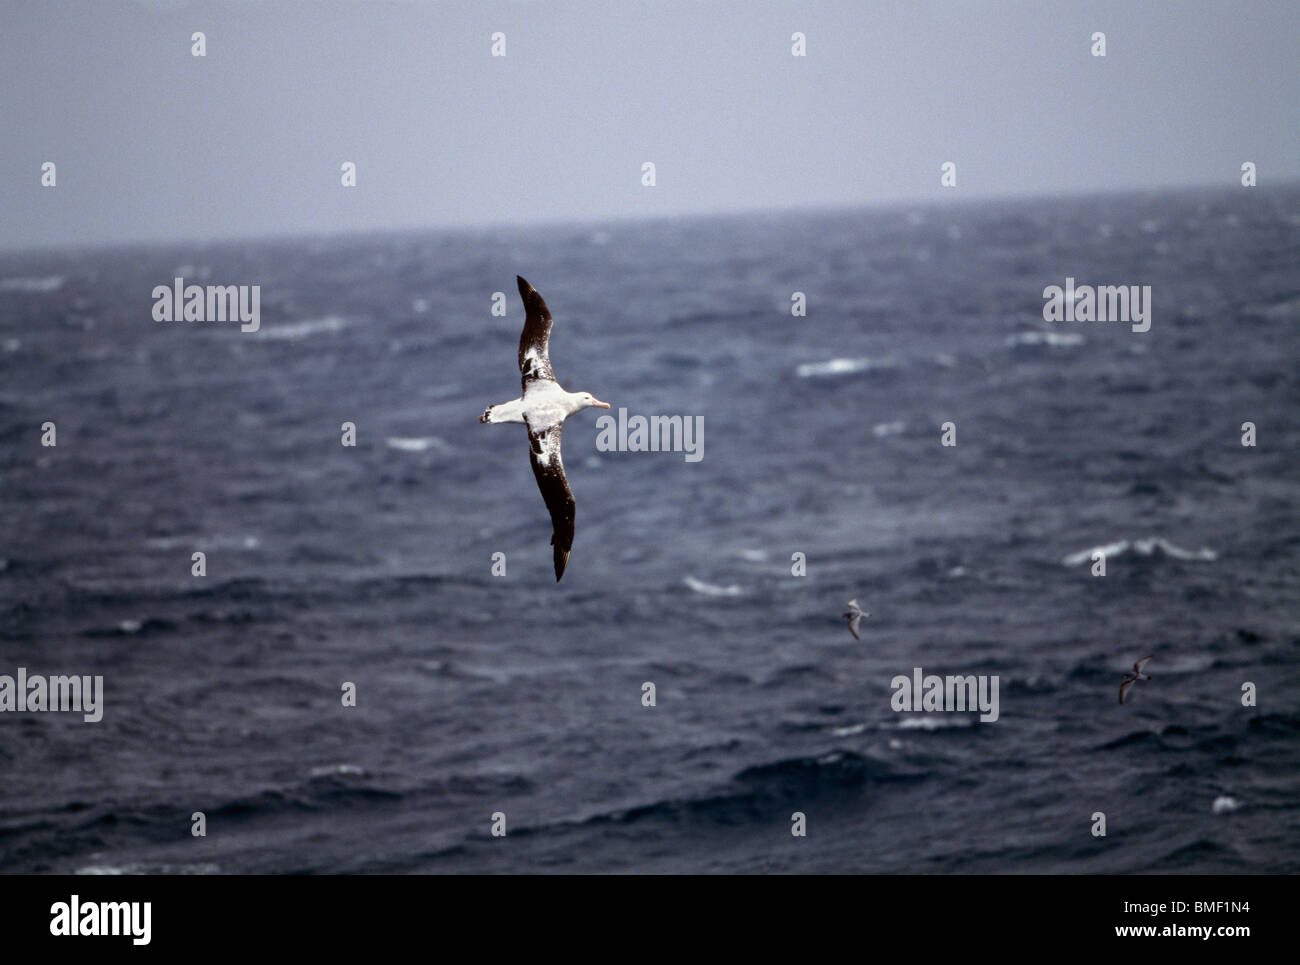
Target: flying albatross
{"x":542,"y":408}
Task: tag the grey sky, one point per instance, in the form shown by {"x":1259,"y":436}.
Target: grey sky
{"x":153,"y":143}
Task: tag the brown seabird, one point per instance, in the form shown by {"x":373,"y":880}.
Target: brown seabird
{"x":853,"y":614}
{"x":1131,"y":678}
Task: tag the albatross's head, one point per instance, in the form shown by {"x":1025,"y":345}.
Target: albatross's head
{"x":585,"y":400}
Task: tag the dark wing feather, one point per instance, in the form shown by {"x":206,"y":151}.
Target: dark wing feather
{"x":548,"y":467}
{"x":1123,"y":688}
{"x":534,"y":341}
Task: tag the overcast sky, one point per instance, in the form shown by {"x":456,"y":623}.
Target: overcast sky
{"x":152,"y":143}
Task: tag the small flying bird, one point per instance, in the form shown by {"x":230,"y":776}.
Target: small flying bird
{"x":1131,"y":678}
{"x":542,"y":408}
{"x":853,"y":614}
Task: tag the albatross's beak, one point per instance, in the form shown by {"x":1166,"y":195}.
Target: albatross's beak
{"x":597,"y":404}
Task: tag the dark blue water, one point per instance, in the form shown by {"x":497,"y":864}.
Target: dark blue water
{"x":478,"y":694}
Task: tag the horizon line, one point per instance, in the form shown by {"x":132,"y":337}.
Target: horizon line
{"x":289,"y":236}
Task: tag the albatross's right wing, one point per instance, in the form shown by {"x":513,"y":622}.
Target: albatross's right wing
{"x":534,"y":341}
{"x":548,"y":467}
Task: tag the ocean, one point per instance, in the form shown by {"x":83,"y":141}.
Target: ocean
{"x":507,"y":701}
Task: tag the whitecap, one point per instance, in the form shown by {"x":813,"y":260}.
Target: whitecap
{"x":1054,"y":339}
{"x":882,"y":429}
{"x":1085,"y":556}
{"x":416,"y":444}
{"x":1143,"y":547}
{"x":709,"y":589}
{"x":840,"y":366}
{"x":202,"y":868}
{"x":1146,"y":547}
{"x":36,"y":286}
{"x":1225,"y":805}
{"x":296,"y":330}
{"x":202,"y":542}
{"x":931,"y":721}
{"x":329,"y":770}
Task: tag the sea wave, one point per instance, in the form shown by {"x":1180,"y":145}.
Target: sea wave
{"x":296,"y":330}
{"x":139,"y":868}
{"x":752,"y":791}
{"x":1153,"y":547}
{"x":842,"y":366}
{"x":419,"y":444}
{"x":936,"y":722}
{"x":51,"y":283}
{"x":203,"y":542}
{"x":1053,"y":339}
{"x":710,"y":589}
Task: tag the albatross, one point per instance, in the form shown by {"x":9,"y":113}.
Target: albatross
{"x":542,"y":407}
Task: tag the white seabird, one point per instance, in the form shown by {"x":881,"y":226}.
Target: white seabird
{"x":543,"y":407}
{"x":853,"y":614}
{"x":1131,"y":678}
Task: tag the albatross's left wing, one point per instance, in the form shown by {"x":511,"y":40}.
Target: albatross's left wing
{"x":548,"y":467}
{"x":535,"y":339}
